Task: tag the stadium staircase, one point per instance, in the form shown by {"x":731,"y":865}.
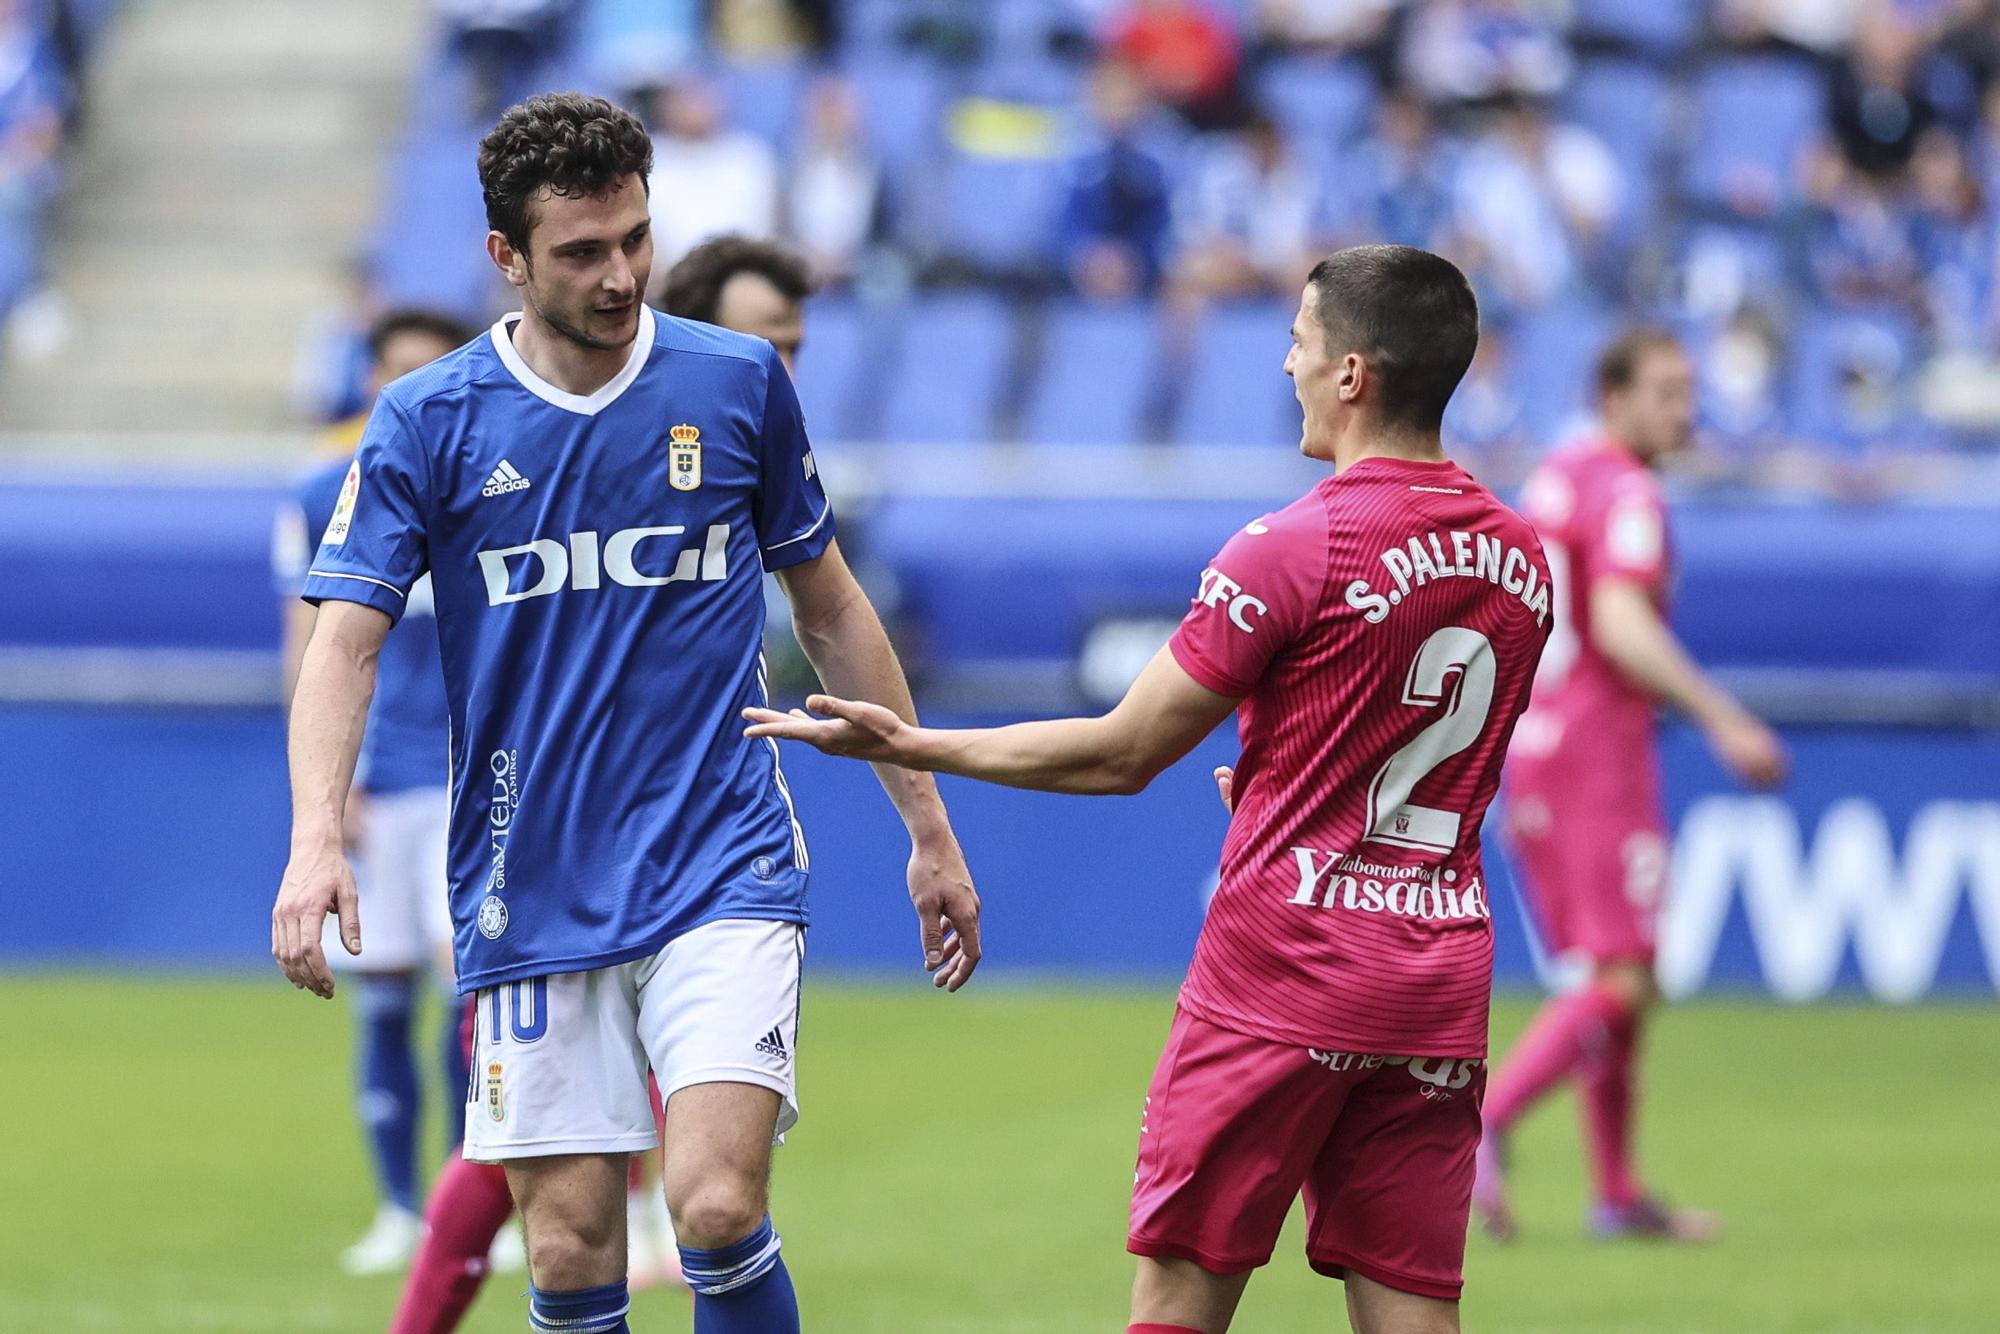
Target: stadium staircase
{"x":230,"y":166}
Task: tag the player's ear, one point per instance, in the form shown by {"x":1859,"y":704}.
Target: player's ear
{"x":1353,"y":375}
{"x":511,"y":262}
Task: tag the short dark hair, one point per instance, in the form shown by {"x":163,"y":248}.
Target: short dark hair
{"x":694,"y":286}
{"x":391,"y":324}
{"x":1411,"y":313}
{"x":1618,"y":364}
{"x":566,"y":143}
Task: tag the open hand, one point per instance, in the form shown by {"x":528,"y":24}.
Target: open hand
{"x":852,"y":728}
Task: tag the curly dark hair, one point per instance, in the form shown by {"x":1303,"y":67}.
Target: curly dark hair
{"x":694,"y":287}
{"x":569,"y":144}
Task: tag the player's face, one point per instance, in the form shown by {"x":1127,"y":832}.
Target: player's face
{"x":587,"y":263}
{"x":1654,"y":416}
{"x":750,"y":303}
{"x":1315,"y":377}
{"x":403,"y":353}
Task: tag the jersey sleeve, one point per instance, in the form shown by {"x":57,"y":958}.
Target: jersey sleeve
{"x":1256,"y":598}
{"x":1628,"y":535}
{"x":793,"y":516}
{"x":374,"y":546}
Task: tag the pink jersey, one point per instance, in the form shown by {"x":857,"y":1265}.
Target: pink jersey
{"x":1600,"y":514}
{"x":1382,"y":632}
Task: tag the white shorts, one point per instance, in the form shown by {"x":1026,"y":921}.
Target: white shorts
{"x":559,"y":1063}
{"x":399,"y":870}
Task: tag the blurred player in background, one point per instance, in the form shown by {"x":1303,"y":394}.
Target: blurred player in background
{"x":1583,"y":783}
{"x":395,"y":819}
{"x":753,"y":287}
{"x":595,"y":492}
{"x":1377,"y":639}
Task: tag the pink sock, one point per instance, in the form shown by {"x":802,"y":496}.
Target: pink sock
{"x":1567,"y":1028}
{"x":467,"y":1208}
{"x":1161,"y":1329}
{"x":1606,"y":1106}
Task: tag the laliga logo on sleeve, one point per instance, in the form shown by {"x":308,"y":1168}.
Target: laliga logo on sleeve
{"x":684,"y":458}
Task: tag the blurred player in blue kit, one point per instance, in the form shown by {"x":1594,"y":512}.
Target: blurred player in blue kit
{"x":595,"y":491}
{"x":394,"y":820}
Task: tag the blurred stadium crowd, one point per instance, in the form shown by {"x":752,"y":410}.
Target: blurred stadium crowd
{"x":44,"y":45}
{"x":1084,"y":221}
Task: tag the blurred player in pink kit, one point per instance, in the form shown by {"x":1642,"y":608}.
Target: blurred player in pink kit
{"x":1583,"y":784}
{"x":1377,"y":639}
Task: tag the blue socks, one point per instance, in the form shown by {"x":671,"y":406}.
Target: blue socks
{"x":388,"y":1078}
{"x":585,"y":1311}
{"x":742,"y":1288}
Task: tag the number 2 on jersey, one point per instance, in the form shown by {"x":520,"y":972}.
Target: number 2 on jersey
{"x":1455,"y":668}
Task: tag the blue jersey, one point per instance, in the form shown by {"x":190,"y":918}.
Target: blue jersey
{"x":596,"y":563}
{"x":407,"y":744}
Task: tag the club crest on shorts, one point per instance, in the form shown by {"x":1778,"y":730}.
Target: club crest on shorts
{"x":492,"y":917}
{"x":684,"y":458}
{"x":495,"y":1108}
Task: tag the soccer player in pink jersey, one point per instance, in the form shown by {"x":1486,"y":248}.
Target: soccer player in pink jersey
{"x":1377,"y":639}
{"x":1583,"y":785}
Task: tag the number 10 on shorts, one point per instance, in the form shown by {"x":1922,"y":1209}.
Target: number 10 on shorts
{"x":526,"y":1005}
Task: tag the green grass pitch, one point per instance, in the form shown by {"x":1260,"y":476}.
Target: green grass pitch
{"x":179,"y":1155}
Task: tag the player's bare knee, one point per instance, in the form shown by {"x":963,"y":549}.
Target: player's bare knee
{"x":568,"y":1253}
{"x":719,"y":1209}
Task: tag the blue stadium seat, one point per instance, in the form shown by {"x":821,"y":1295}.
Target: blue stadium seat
{"x":1829,"y":349}
{"x":433,"y":209}
{"x":901,"y":100}
{"x":999,"y":213}
{"x":1555,"y":350}
{"x":834,"y":367}
{"x":1656,"y":28}
{"x":1754,"y":116}
{"x":763,"y":96}
{"x":1628,"y":104}
{"x":1235,"y":391}
{"x":1321,"y":102}
{"x":1099,"y":363}
{"x":946,"y":385}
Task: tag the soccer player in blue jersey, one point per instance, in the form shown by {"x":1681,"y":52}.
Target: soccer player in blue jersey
{"x":395,"y":819}
{"x":595,"y":490}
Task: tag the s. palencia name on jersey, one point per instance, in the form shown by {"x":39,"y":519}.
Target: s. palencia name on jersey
{"x":583,"y":560}
{"x":1431,"y":556}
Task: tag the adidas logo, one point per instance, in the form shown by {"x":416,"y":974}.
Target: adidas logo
{"x":773,"y":1044}
{"x":504,"y":480}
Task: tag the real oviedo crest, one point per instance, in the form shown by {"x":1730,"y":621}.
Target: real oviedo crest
{"x":684,"y":458}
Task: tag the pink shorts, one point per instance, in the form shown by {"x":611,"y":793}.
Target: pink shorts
{"x":1590,"y":843}
{"x":1382,"y":1147}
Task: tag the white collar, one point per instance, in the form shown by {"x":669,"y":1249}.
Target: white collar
{"x":588,"y":405}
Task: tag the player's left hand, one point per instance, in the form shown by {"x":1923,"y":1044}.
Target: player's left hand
{"x":852,"y":728}
{"x":947,"y":911}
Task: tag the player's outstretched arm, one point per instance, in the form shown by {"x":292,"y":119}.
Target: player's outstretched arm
{"x":1162,"y":717}
{"x":1631,"y":632}
{"x":847,"y":646}
{"x":329,"y":708}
